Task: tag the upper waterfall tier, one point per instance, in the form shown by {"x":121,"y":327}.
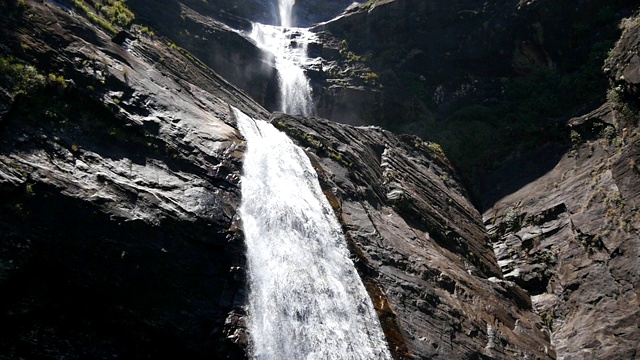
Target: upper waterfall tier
{"x":285,"y":9}
{"x":289,"y":48}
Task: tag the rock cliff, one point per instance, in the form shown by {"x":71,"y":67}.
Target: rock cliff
{"x":484,"y":79}
{"x":119,"y":183}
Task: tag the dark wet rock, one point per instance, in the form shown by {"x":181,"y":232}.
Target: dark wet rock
{"x":623,"y":66}
{"x":419,"y":244}
{"x":215,"y":40}
{"x":216,"y":33}
{"x":119,"y":182}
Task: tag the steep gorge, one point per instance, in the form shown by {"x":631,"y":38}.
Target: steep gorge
{"x":120,"y":167}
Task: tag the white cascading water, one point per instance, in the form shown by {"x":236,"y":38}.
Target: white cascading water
{"x":289,"y":47}
{"x":285,"y":10}
{"x":306,"y":299}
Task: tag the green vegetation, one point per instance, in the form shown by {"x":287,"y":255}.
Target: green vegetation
{"x":435,"y":148}
{"x":23,"y":78}
{"x":20,"y":76}
{"x":29,"y":189}
{"x":350,"y":56}
{"x":370,"y":78}
{"x":625,"y":103}
{"x":172,"y":45}
{"x":143,"y":30}
{"x":117,"y":12}
{"x":547,"y":316}
{"x":108,"y":14}
{"x":576,"y":140}
{"x":312,"y":141}
{"x":369,"y":4}
{"x":511,"y":220}
{"x":93,"y":17}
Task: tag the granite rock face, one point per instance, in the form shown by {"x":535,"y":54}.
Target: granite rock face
{"x":216,"y":33}
{"x":213,"y":33}
{"x":623,"y":64}
{"x":419,"y":245}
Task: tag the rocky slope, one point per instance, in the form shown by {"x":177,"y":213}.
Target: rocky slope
{"x":454,"y":72}
{"x":571,"y":237}
{"x":215,"y":32}
{"x":484,"y":79}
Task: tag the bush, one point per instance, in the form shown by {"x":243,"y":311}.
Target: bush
{"x":370,"y":77}
{"x":118,"y":13}
{"x":19,"y":76}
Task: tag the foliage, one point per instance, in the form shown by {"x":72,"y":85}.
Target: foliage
{"x":349,"y":55}
{"x":625,"y":103}
{"x":144,"y":30}
{"x":575,"y":138}
{"x":511,"y":219}
{"x":417,"y":87}
{"x":435,"y":148}
{"x":547,"y":316}
{"x":93,"y":17}
{"x":57,"y":81}
{"x":369,"y":4}
{"x":172,"y":45}
{"x":20,"y":76}
{"x":115,"y":12}
{"x":370,"y":77}
{"x":314,"y":142}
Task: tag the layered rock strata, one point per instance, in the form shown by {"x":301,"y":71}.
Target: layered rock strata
{"x":419,"y":244}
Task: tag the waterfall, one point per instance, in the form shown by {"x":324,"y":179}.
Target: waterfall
{"x":289,"y":48}
{"x":285,"y":8}
{"x":306,"y":299}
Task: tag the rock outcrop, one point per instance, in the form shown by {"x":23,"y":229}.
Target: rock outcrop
{"x":120,"y":182}
{"x":419,"y":244}
{"x":215,"y":37}
{"x":216,"y":33}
